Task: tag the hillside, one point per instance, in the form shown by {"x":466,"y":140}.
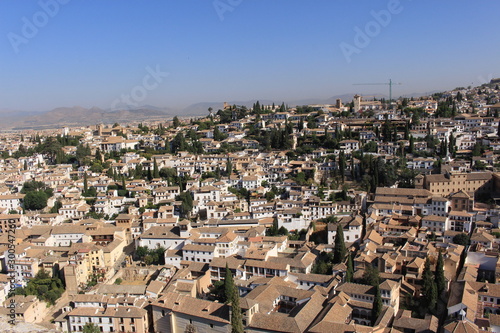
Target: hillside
{"x":79,"y":116}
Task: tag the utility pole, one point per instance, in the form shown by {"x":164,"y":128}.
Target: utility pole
{"x":390,"y":84}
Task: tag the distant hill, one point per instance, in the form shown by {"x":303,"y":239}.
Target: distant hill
{"x":79,"y":116}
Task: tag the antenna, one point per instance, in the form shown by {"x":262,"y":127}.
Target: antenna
{"x":390,"y":84}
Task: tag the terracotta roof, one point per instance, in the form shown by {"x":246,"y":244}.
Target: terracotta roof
{"x":195,"y":307}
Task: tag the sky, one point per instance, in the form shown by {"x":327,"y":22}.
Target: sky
{"x":105,"y":53}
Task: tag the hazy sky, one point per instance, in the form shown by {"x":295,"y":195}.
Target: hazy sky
{"x":103,"y":53}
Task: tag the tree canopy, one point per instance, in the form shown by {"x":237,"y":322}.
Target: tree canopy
{"x":339,"y":250}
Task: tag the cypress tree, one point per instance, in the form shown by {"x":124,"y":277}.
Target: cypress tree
{"x":342,"y":164}
{"x":229,"y":287}
{"x":236,"y":316}
{"x":149,"y":174}
{"x":439,"y":275}
{"x":371,"y":276}
{"x":229,"y":167}
{"x":110,"y":172}
{"x":412,"y":145}
{"x":124,"y":187}
{"x":429,"y":288}
{"x":85,"y":183}
{"x":350,"y":270}
{"x":156,"y":172}
{"x":98,"y":156}
{"x":377,"y":305}
{"x":339,"y":251}
{"x":176,"y":122}
{"x":138,"y":171}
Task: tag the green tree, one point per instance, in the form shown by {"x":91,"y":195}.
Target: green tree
{"x":35,"y":200}
{"x":217,"y":290}
{"x":229,"y":167}
{"x":429,"y":288}
{"x":82,"y":152}
{"x":370,"y":147}
{"x":439,"y":275}
{"x":139,"y":172}
{"x":124,"y":185}
{"x":377,"y":305}
{"x":282,"y":231}
{"x":98,"y":156}
{"x":476,"y":150}
{"x":339,"y":250}
{"x":85,"y":183}
{"x":50,"y":147}
{"x":169,"y":174}
{"x":461,"y":239}
{"x":56,"y":207}
{"x":350,"y":269}
{"x":178,"y":143}
{"x":141,"y":252}
{"x":321,"y":267}
{"x":273,"y":230}
{"x":43,"y":286}
{"x":236,"y":316}
{"x":34,"y":185}
{"x":96,"y":167}
{"x":90,"y":328}
{"x":111,"y":173}
{"x":176,"y":122}
{"x":229,"y":287}
{"x":187,"y":203}
{"x":156,"y":172}
{"x":371,"y":276}
{"x":342,"y":164}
